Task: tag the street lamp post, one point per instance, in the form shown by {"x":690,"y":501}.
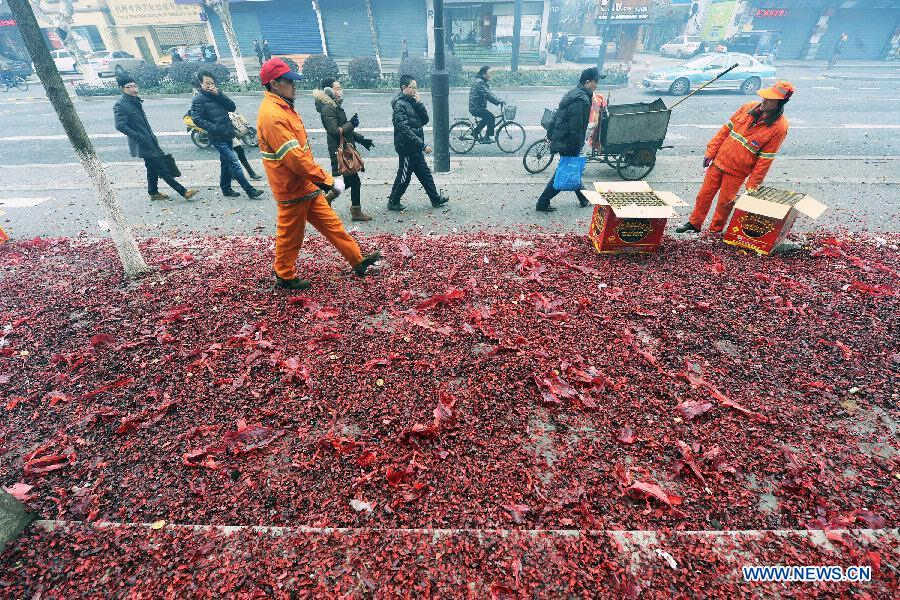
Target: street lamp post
{"x":517,"y":36}
{"x":601,"y":56}
{"x":440,"y":95}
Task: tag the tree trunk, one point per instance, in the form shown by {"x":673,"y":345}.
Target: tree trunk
{"x":132,"y":262}
{"x":224,"y":13}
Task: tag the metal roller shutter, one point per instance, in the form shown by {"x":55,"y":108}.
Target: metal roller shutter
{"x":290,"y":26}
{"x":868,"y":30}
{"x":246,"y":27}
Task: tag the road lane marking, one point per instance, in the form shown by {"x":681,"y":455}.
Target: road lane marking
{"x":25,"y":202}
{"x":101,"y":136}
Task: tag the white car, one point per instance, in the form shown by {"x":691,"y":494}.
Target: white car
{"x":684,"y":46}
{"x":65,"y":62}
{"x":109,"y":63}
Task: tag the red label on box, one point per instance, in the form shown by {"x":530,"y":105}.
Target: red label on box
{"x":757,"y":232}
{"x":612,"y":235}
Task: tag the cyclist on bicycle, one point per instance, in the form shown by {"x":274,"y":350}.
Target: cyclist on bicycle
{"x":479,"y":95}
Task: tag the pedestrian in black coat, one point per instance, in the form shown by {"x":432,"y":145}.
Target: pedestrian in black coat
{"x":479,"y":95}
{"x":209,"y":110}
{"x":259,"y":53}
{"x":410,"y":118}
{"x":132,"y":121}
{"x":329,"y":104}
{"x":567,"y":135}
{"x":265,"y":48}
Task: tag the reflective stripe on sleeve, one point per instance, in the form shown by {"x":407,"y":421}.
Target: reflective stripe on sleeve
{"x":285,"y":148}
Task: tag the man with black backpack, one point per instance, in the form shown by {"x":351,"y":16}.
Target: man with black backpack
{"x":568,"y":130}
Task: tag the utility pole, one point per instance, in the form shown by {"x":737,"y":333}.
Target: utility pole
{"x":601,"y":56}
{"x":440,"y":95}
{"x":132,"y":261}
{"x":517,"y":36}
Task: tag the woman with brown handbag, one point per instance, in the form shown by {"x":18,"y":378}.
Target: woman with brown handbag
{"x":342,"y":138}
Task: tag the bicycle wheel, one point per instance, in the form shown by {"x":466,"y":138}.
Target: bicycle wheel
{"x":461,"y":139}
{"x":538,"y":156}
{"x":510,"y":137}
{"x":636,"y":164}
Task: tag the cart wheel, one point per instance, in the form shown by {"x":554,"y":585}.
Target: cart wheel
{"x":538,"y":156}
{"x":461,"y":139}
{"x":636,"y":164}
{"x":510,"y":137}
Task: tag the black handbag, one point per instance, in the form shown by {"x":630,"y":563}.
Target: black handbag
{"x":169,"y":164}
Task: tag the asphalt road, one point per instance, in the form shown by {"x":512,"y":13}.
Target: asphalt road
{"x":843,"y":148}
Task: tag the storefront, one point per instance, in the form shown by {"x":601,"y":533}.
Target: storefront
{"x":149,"y":28}
{"x":487,"y":27}
{"x":290,"y":26}
{"x":869,"y":24}
{"x":793,"y":22}
{"x":11,"y":45}
{"x":629,"y":26}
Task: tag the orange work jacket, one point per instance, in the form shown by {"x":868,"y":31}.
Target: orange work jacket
{"x":292,"y":171}
{"x":743,"y":148}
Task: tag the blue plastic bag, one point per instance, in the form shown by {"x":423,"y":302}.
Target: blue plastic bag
{"x":568,"y":173}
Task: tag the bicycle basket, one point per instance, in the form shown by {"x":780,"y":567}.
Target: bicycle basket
{"x":547,"y":118}
{"x":509,"y":112}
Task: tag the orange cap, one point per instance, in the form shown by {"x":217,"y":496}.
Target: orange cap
{"x":782,"y":90}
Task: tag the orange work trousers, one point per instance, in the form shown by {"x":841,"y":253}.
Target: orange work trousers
{"x":292,"y":219}
{"x":727,"y":186}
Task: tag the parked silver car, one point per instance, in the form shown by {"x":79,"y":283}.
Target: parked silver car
{"x":112,"y":62}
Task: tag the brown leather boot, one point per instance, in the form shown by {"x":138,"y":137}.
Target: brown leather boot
{"x":357,"y":214}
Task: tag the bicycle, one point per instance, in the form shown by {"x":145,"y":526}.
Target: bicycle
{"x":11,"y":81}
{"x":509,"y":135}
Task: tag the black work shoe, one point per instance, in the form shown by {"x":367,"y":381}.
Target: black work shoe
{"x":396,"y":206}
{"x":292,"y":284}
{"x":442,"y":200}
{"x":255,"y":177}
{"x":255,"y":193}
{"x":486,"y":140}
{"x":367,"y":261}
{"x":687,"y":228}
{"x":230,"y":193}
{"x":547,"y":208}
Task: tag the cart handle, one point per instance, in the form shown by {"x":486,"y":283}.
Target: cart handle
{"x":716,"y":78}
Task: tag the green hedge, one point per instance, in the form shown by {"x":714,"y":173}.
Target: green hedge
{"x":388,"y":81}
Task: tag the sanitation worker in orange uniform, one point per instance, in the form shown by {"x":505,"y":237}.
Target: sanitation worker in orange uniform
{"x":742,"y":150}
{"x":297,"y":181}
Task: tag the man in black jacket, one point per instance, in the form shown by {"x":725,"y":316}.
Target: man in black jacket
{"x":410,"y":118}
{"x":570,"y":125}
{"x":209,"y":110}
{"x":479,"y":95}
{"x":132,"y":121}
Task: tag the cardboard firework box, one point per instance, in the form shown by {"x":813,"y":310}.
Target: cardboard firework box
{"x":762,"y":219}
{"x":629,"y":216}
